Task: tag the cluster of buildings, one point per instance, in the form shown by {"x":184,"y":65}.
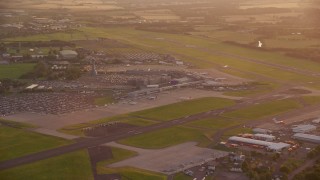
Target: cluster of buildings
{"x":260,"y":141}
{"x":263,"y":138}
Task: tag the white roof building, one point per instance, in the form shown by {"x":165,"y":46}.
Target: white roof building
{"x":269,"y":145}
{"x":264,"y":137}
{"x":307,"y":137}
{"x":303,"y":128}
{"x":261,"y":131}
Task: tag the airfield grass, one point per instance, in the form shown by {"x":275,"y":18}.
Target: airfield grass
{"x":269,"y":108}
{"x":16,"y":142}
{"x":215,"y":123}
{"x":14,"y":71}
{"x":166,"y":137}
{"x":75,"y":165}
{"x":181,"y":109}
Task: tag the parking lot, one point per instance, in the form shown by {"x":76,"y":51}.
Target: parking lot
{"x":46,"y":103}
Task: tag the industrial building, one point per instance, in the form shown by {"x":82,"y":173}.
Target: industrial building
{"x":303,"y":128}
{"x":307,"y":137}
{"x":264,"y":137}
{"x":68,"y":54}
{"x":272,"y":146}
{"x":261,"y":131}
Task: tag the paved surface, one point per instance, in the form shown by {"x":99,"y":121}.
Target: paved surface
{"x":55,"y":133}
{"x":130,"y":148}
{"x":172,"y":159}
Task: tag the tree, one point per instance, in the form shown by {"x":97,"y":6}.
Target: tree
{"x":284,"y":169}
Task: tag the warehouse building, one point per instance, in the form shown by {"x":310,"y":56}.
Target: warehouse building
{"x":307,"y":137}
{"x":272,"y":146}
{"x":303,"y":128}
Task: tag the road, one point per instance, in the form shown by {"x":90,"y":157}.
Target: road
{"x":140,"y":130}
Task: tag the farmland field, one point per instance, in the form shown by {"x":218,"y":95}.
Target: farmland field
{"x":14,"y":71}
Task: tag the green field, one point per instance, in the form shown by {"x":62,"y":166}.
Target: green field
{"x":264,"y":109}
{"x":166,"y":137}
{"x":15,"y":142}
{"x":14,"y":71}
{"x":75,"y":165}
{"x":215,"y":123}
{"x":181,"y":109}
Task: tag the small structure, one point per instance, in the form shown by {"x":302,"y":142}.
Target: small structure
{"x":59,"y":65}
{"x":261,"y":131}
{"x":307,"y":137}
{"x":264,"y":137}
{"x":68,"y":54}
{"x":32,"y":86}
{"x":303,"y":128}
{"x":272,"y":146}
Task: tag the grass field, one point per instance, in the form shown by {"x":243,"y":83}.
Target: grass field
{"x":215,"y":123}
{"x":74,"y":165}
{"x":16,"y":142}
{"x":165,"y":138}
{"x":181,"y":109}
{"x":265,"y":109}
{"x":14,"y":71}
